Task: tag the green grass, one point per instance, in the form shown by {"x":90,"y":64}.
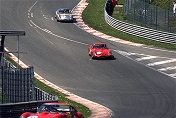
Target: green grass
{"x":163,"y":3}
{"x":62,"y":97}
{"x":93,"y":15}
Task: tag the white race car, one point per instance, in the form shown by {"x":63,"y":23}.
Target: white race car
{"x":64,"y":14}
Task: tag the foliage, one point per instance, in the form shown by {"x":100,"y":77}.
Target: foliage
{"x":163,"y":3}
{"x":62,"y":97}
{"x":93,"y":15}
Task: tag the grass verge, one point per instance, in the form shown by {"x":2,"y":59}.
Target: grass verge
{"x":93,"y":15}
{"x":62,"y":97}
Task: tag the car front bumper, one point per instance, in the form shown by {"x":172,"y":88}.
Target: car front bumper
{"x":64,"y":18}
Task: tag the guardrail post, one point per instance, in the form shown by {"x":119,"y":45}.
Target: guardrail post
{"x":2,"y":39}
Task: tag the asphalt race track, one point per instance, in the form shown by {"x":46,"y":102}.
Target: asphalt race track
{"x":130,"y":85}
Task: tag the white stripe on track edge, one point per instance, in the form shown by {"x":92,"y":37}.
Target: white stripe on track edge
{"x":168,"y":68}
{"x":106,"y":112}
{"x":161,"y":62}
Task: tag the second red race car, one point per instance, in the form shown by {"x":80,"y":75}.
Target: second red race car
{"x":54,"y":110}
{"x":100,"y":50}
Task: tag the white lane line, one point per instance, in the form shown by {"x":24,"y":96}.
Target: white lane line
{"x":161,"y":62}
{"x":145,"y":55}
{"x":124,"y":53}
{"x":146,"y":58}
{"x":30,"y":24}
{"x":172,"y":75}
{"x":49,"y":32}
{"x":29,"y":16}
{"x":168,"y":68}
{"x":160,"y":49}
{"x":32,"y":6}
{"x":102,"y":111}
{"x":32,"y":15}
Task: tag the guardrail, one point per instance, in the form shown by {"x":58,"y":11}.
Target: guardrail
{"x":16,"y":109}
{"x":139,"y":31}
{"x":18,"y":85}
{"x":43,"y":95}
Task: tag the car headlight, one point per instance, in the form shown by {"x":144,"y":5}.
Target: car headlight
{"x":98,"y":52}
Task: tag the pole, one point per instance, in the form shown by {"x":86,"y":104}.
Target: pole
{"x":18,"y":50}
{"x":1,"y":64}
{"x":156,"y":10}
{"x":2,"y":48}
{"x":169,"y":16}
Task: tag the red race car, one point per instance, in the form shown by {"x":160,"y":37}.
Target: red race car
{"x":100,"y":50}
{"x":54,"y":110}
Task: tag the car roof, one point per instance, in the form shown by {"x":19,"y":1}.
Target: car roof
{"x":63,"y":9}
{"x":98,"y":43}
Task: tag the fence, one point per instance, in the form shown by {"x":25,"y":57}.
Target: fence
{"x":139,"y":31}
{"x":151,"y":16}
{"x":18,"y":85}
{"x":16,"y":109}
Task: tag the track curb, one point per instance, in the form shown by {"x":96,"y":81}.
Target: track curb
{"x":80,"y":23}
{"x":97,"y":110}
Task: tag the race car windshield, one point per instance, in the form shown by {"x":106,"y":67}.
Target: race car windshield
{"x":99,"y":46}
{"x":54,"y":108}
{"x":62,"y":11}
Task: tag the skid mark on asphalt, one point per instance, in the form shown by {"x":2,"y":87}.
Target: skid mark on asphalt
{"x":164,"y":65}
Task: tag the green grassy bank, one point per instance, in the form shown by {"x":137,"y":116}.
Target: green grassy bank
{"x":62,"y":97}
{"x":93,"y":15}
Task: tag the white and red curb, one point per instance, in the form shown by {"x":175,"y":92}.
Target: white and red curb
{"x":98,"y":111}
{"x":80,"y":23}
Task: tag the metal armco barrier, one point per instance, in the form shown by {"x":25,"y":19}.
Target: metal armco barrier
{"x":139,"y":31}
{"x":42,"y":95}
{"x":16,"y":109}
{"x":19,"y":85}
